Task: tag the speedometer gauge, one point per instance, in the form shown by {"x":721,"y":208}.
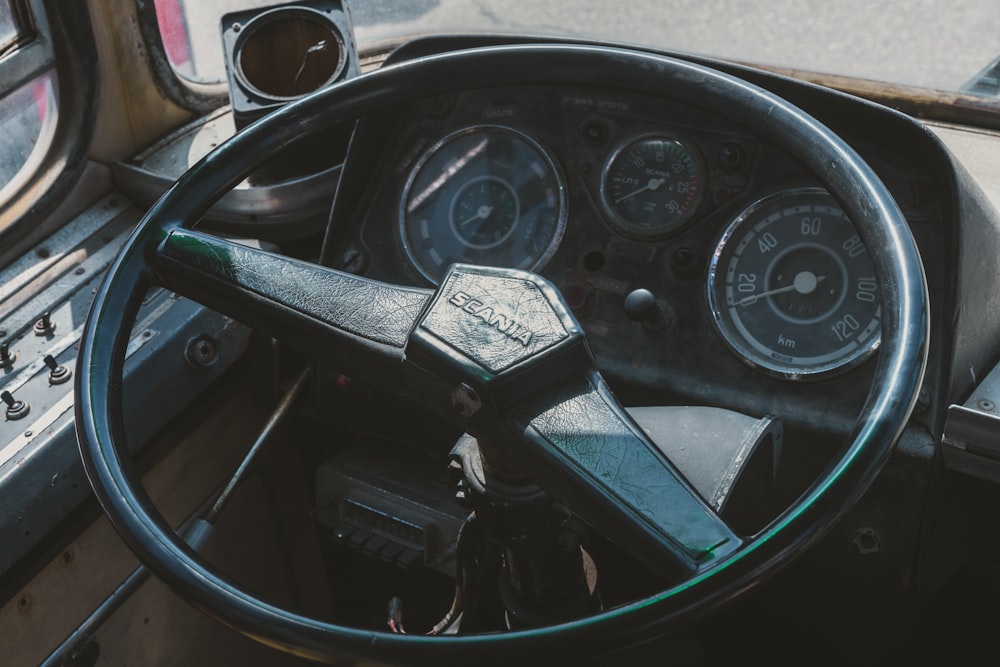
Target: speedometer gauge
{"x":483,"y":195}
{"x":792,"y":288}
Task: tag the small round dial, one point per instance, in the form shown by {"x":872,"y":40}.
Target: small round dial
{"x":652,"y":186}
{"x":793,"y":289}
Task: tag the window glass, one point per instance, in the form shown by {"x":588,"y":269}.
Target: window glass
{"x":857,"y":38}
{"x":27,"y":124}
{"x":8,"y":24}
{"x":191,"y":34}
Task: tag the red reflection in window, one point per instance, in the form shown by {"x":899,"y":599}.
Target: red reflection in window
{"x":173,"y":31}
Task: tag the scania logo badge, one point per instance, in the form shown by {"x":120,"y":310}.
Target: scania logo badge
{"x":491,"y":316}
{"x":494,"y":318}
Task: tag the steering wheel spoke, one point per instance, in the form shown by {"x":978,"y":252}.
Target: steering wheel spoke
{"x":325,"y":313}
{"x":594,"y":457}
{"x":507,"y":338}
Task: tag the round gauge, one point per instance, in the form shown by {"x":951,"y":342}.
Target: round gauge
{"x":485,"y":212}
{"x":484,"y":195}
{"x":792,"y":288}
{"x":652,"y":186}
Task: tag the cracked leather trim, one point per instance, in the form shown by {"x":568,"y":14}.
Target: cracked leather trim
{"x":495,"y":321}
{"x":372,"y":310}
{"x":613,"y":457}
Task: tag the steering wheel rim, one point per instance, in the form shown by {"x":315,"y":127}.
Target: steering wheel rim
{"x":899,"y":368}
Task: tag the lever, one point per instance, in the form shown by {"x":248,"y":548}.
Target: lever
{"x":45,"y":325}
{"x":16,"y":409}
{"x":6,"y":358}
{"x":57,"y":372}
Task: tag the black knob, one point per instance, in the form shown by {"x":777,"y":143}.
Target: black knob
{"x":640,"y":306}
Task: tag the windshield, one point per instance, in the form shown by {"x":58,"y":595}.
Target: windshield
{"x":924,"y":43}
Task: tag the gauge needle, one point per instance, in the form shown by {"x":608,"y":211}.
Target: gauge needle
{"x":653,"y":184}
{"x":481,"y":214}
{"x":315,"y":48}
{"x":805,"y":283}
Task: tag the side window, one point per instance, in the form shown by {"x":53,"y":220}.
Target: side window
{"x":8,"y":26}
{"x":27,"y":108}
{"x":28,"y":96}
{"x":189,"y":33}
{"x":27,"y":125}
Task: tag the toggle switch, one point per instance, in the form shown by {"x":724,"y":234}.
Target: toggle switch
{"x":16,"y":409}
{"x":45,"y":325}
{"x":57,"y":372}
{"x":7,"y":358}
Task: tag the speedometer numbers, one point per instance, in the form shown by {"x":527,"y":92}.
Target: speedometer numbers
{"x":792,"y":288}
{"x":652,"y":186}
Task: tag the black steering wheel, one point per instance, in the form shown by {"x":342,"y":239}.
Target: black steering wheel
{"x":538,"y":393}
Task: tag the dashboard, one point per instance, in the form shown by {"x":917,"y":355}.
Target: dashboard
{"x":706,"y":265}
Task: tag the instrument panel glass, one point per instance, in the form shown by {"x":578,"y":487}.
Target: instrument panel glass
{"x":652,"y":186}
{"x":792,"y":287}
{"x":482,"y":195}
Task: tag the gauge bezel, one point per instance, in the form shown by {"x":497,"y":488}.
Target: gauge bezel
{"x":744,"y":349}
{"x":556,"y":172}
{"x":630,"y":229}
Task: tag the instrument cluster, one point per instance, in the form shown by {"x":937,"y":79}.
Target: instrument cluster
{"x":674,"y":236}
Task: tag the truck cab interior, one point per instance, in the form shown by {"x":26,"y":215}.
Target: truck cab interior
{"x":367,"y":334}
